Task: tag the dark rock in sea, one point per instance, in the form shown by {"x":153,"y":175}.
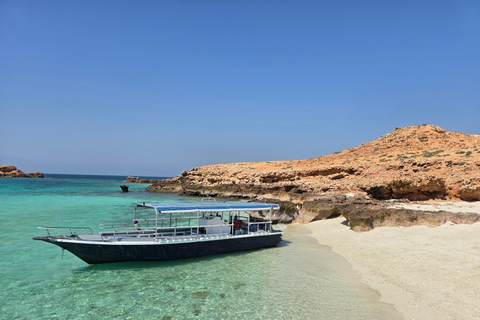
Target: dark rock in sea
{"x":124,"y":188}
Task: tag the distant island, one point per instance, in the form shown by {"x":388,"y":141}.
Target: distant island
{"x":414,"y":163}
{"x":13,"y":172}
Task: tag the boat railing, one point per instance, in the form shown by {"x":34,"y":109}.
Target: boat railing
{"x":150,"y":223}
{"x":182,"y":232}
{"x":176,"y":222}
{"x":105,"y":226}
{"x":169,"y":232}
{"x":173,"y":227}
{"x":260,"y":226}
{"x":72,"y":230}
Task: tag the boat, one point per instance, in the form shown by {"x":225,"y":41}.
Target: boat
{"x":166,"y":231}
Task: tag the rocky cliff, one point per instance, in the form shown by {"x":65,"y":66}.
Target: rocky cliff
{"x":411,"y":163}
{"x":13,"y":172}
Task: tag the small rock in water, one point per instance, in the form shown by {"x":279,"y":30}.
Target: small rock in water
{"x":197,"y":310}
{"x":238,"y":286}
{"x":124,"y":188}
{"x":201,"y":294}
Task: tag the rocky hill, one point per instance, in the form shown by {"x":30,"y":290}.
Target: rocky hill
{"x":13,"y":172}
{"x":411,"y":163}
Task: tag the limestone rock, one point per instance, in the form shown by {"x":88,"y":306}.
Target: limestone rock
{"x":411,"y":163}
{"x":140,"y":180}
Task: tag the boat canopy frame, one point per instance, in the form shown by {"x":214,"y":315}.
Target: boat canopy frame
{"x":199,"y":208}
{"x":207,"y":206}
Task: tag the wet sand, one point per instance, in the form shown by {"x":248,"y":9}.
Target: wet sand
{"x":427,"y":273}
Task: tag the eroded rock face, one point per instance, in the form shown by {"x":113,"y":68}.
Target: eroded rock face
{"x":287,"y":213}
{"x":412,"y":163}
{"x":13,"y":172}
{"x":416,"y":188}
{"x":369,"y":217}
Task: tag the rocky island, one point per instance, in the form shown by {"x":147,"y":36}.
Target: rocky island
{"x":13,"y":172}
{"x":415,"y":163}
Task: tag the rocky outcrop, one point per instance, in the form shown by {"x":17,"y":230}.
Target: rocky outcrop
{"x":364,"y":214}
{"x":369,"y":217}
{"x":411,"y":163}
{"x":13,"y":172}
{"x":141,"y":180}
{"x":287,"y":213}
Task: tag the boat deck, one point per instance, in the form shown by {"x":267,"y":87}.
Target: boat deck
{"x":150,"y":238}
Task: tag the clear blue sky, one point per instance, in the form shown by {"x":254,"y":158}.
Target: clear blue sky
{"x":156,"y":87}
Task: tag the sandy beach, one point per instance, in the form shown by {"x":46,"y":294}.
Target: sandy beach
{"x":427,"y":273}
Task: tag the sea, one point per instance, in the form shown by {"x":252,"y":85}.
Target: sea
{"x":298,"y":279}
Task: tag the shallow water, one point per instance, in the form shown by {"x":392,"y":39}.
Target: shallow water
{"x":299,"y":279}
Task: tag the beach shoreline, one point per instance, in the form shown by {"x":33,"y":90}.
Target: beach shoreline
{"x":427,"y":273}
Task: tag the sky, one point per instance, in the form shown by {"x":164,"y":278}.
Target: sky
{"x":152,"y":88}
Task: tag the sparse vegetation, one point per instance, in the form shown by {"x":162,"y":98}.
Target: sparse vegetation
{"x":403,"y":157}
{"x":461,"y":163}
{"x":428,"y":154}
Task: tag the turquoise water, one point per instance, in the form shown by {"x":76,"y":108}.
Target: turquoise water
{"x":299,"y":279}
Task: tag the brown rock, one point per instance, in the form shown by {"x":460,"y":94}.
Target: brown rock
{"x":411,"y":163}
{"x":13,"y":172}
{"x":369,"y":217}
{"x":140,"y":180}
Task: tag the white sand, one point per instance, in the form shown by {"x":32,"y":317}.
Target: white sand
{"x":427,"y":273}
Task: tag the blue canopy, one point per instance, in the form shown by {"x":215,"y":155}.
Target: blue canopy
{"x":209,"y":206}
